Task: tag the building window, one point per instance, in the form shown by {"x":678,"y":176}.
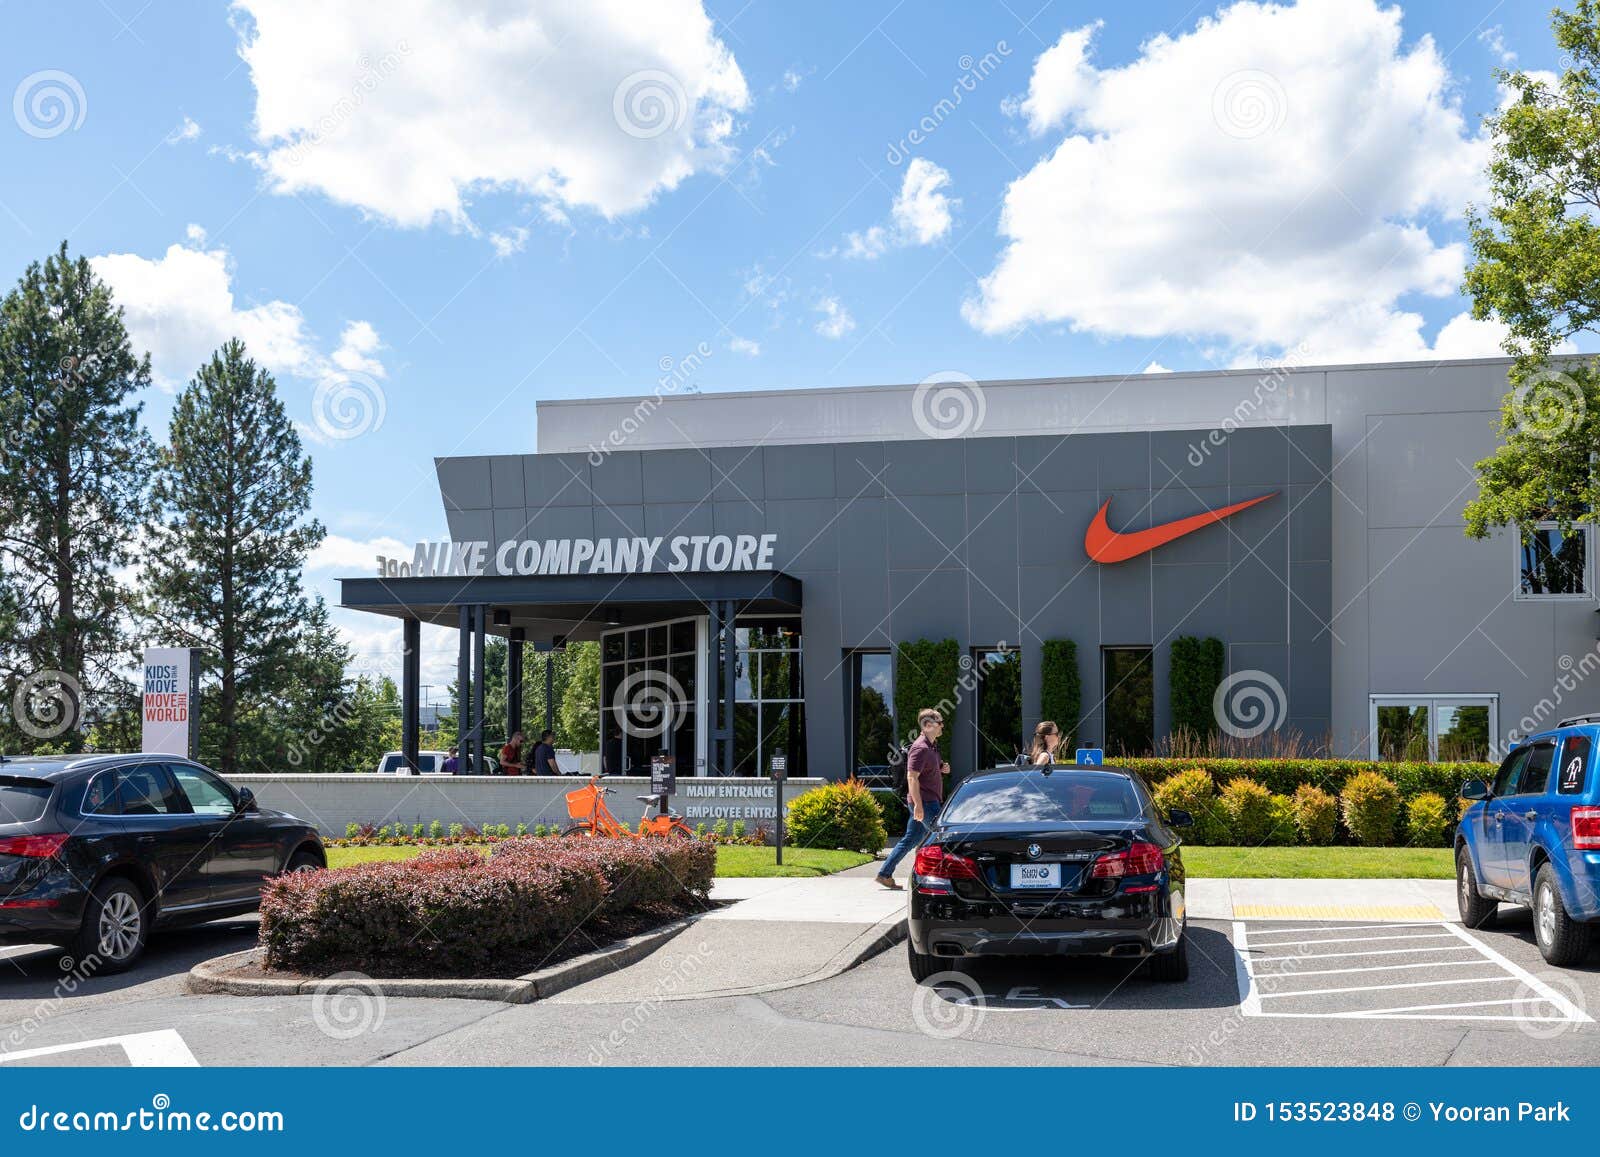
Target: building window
{"x":1552,"y":564}
{"x":648,"y":696}
{"x":998,"y":713}
{"x":1436,"y":728}
{"x":769,"y":712}
{"x":1129,"y":682}
{"x":871,"y":690}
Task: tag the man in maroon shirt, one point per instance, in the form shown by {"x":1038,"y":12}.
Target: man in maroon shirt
{"x":925,"y":772}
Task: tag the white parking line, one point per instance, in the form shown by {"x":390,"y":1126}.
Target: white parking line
{"x":1349,"y":927}
{"x":1368,"y":952}
{"x":1360,"y":939}
{"x":163,"y":1048}
{"x":1388,"y":987}
{"x":1376,"y":968}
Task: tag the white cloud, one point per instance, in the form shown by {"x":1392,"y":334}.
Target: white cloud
{"x":195,"y":234}
{"x":407,"y":109}
{"x":354,"y":556}
{"x":920,"y":214}
{"x":743,"y":345}
{"x":1265,"y":179}
{"x":515,"y":239}
{"x":180,"y":307}
{"x":836,"y":320}
{"x":1494,"y":39}
{"x":1156,"y":368}
{"x":792,"y":78}
{"x":187,"y":130}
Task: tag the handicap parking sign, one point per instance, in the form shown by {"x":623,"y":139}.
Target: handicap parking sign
{"x":1090,"y":756}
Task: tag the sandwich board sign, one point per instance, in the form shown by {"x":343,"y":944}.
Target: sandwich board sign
{"x":169,"y":702}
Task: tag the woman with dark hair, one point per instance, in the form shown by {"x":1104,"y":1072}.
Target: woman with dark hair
{"x":1046,"y":738}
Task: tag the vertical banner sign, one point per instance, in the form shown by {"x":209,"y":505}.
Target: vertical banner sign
{"x":170,"y":701}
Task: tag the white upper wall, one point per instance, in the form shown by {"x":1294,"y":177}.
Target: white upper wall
{"x":1195,"y":400}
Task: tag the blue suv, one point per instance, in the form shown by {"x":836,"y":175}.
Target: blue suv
{"x":1533,"y":838}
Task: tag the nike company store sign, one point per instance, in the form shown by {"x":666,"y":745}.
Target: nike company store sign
{"x":635,"y":555}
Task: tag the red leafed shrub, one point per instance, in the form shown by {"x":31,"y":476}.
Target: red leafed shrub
{"x":455,"y":912}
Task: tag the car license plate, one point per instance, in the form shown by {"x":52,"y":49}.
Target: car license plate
{"x":1036,"y":875}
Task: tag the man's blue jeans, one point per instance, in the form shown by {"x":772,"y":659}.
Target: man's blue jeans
{"x":915,"y":831}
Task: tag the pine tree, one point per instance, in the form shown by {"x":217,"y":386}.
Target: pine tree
{"x":74,"y":475}
{"x":223,"y":571}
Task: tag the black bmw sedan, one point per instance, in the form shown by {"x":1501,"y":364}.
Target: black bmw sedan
{"x":1050,"y":862}
{"x":95,"y":851}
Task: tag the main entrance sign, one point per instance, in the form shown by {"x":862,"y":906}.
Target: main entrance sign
{"x":684,"y":552}
{"x":1106,"y":545}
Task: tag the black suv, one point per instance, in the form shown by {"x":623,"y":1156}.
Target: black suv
{"x":97,"y":850}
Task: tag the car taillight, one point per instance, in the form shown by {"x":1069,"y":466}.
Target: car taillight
{"x":41,"y":847}
{"x":935,"y":868}
{"x":1140,"y":860}
{"x":1586,"y":828}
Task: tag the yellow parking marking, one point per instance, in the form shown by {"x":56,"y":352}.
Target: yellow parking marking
{"x":1429,"y":912}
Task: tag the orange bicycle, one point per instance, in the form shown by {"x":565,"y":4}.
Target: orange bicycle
{"x":589,"y":816}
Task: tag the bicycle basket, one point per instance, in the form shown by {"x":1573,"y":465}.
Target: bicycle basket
{"x":580,"y":804}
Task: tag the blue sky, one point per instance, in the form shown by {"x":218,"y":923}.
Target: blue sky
{"x":441,"y":205}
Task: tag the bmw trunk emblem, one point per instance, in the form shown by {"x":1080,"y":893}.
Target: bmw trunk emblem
{"x":1033,"y":851}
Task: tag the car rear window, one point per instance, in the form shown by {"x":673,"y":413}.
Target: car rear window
{"x":22,"y":800}
{"x":391,"y":764}
{"x":1034,"y":797}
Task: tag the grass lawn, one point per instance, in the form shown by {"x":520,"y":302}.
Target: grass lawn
{"x":731,"y":861}
{"x":1321,"y":863}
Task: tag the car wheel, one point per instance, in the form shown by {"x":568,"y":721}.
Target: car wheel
{"x":1171,"y":966}
{"x":115,"y":927}
{"x":303,"y":862}
{"x":925,"y":964}
{"x":1477,"y":910}
{"x":1562,"y":940}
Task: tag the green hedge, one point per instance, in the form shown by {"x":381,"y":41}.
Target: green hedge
{"x":1196,"y":670}
{"x":1060,"y":688}
{"x":1283,"y":776}
{"x":927,"y":673}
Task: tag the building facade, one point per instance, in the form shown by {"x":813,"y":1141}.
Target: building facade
{"x":750,"y":561}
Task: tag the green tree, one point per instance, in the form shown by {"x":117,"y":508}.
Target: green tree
{"x":74,"y":470}
{"x":223,"y":570}
{"x":580,"y":700}
{"x":1536,"y":268}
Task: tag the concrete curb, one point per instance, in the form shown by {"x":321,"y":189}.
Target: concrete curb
{"x":213,"y":977}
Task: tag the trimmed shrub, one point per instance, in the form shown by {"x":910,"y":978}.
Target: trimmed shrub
{"x":1247,"y":810}
{"x":895,"y":812}
{"x":454,"y":912}
{"x":837,"y":815}
{"x":1196,"y":669}
{"x":1427,"y":820}
{"x":1316,"y":815}
{"x":1194,"y":792}
{"x":1283,"y":826}
{"x":1285,"y":775}
{"x":1060,"y":688}
{"x":1370,"y":805}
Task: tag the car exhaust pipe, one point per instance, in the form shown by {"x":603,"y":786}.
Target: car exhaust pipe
{"x":945,"y":948}
{"x":1127,"y":950}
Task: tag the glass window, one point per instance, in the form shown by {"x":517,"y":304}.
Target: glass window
{"x":682,"y":637}
{"x":1574,"y":765}
{"x":611,"y":647}
{"x":1403,"y":731}
{"x":101,"y":796}
{"x":148,"y":790}
{"x":635,"y":643}
{"x":1130,"y":696}
{"x":1551,"y":564}
{"x":1060,"y":797}
{"x":1463,"y":732}
{"x":1507,"y":775}
{"x":1535,"y":777}
{"x":1423,"y":728}
{"x":207,"y":795}
{"x":999,"y":706}
{"x":656,"y":640}
{"x":23,"y":800}
{"x":872,"y":688}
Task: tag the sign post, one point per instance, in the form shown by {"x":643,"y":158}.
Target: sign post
{"x":1090,"y":757}
{"x":780,"y":772}
{"x":170,"y":700}
{"x":663,"y":777}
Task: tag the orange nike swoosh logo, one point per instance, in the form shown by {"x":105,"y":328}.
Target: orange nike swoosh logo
{"x":1107,"y":545}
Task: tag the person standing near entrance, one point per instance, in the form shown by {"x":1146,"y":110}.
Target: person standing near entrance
{"x":925,"y":772}
{"x":511,"y":755}
{"x":1046,"y":738}
{"x":544,"y":755}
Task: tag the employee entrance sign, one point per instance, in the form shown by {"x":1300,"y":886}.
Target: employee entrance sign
{"x":169,"y":702}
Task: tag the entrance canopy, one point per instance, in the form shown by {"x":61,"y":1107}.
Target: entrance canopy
{"x":577,"y":606}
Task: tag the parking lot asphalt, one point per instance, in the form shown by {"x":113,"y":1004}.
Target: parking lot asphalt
{"x":1261,"y":992}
